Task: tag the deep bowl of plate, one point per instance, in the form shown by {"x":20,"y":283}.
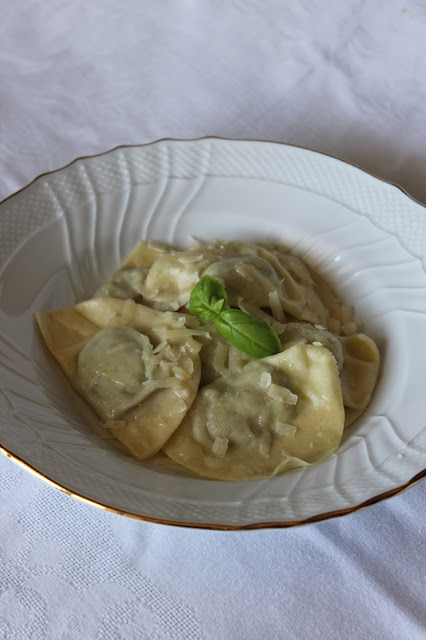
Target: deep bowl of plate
{"x":65,"y":233}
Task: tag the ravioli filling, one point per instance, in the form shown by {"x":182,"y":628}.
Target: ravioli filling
{"x":114,"y":370}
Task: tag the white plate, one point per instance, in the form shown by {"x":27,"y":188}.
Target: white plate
{"x":66,"y":232}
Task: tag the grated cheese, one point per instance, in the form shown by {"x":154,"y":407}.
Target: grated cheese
{"x":275,"y":304}
{"x":180,"y":373}
{"x":265,"y":444}
{"x":255,"y":311}
{"x":188,"y":365}
{"x":285,"y":429}
{"x":279,"y":328}
{"x":219,"y":358}
{"x":282,"y":394}
{"x":159,"y":347}
{"x":190,"y":259}
{"x":265,"y":379}
{"x":220,"y":446}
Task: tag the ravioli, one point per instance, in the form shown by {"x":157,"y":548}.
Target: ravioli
{"x":299,"y":296}
{"x":361,"y":361}
{"x":138,"y":368}
{"x":248,"y":277}
{"x":279,"y":413}
{"x":172,"y":277}
{"x":296,"y":332}
{"x":357,"y":358}
{"x":128,"y":281}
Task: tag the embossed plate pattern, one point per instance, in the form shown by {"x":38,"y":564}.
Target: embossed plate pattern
{"x":65,"y":233}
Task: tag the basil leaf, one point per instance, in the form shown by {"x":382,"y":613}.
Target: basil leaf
{"x":249,"y":334}
{"x":207,"y":298}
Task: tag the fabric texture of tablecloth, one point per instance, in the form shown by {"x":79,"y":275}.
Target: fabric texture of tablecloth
{"x":77,"y":78}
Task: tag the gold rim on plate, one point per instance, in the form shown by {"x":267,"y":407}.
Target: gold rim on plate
{"x":218,"y":527}
{"x":328,"y":515}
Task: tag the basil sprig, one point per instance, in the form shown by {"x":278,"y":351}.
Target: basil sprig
{"x":249,"y":334}
{"x":207,"y":298}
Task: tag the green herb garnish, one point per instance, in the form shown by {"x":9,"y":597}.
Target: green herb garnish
{"x":207,"y":298}
{"x":251,"y":335}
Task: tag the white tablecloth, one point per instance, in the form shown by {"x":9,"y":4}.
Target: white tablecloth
{"x":77,"y":78}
